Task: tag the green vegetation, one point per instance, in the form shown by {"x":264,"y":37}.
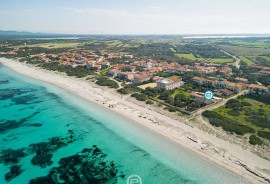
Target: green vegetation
{"x":188,"y":56}
{"x":200,"y":50}
{"x":244,"y":51}
{"x":263,"y":60}
{"x":70,"y":71}
{"x":253,"y":76}
{"x":242,"y":115}
{"x":174,"y":98}
{"x":173,"y":50}
{"x":253,"y":139}
{"x":246,"y":60}
{"x":267,"y":58}
{"x":250,"y":50}
{"x":264,"y":99}
{"x":180,"y":91}
{"x":226,"y":123}
{"x":221,"y":60}
{"x":129,"y":89}
{"x":104,"y":81}
{"x":264,"y":134}
{"x":124,"y":91}
{"x":140,"y":96}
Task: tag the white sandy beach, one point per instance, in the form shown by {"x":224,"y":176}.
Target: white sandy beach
{"x":230,"y":156}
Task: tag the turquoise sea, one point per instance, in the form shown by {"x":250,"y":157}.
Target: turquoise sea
{"x":48,"y":135}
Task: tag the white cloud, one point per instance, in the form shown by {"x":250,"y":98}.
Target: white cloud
{"x":149,"y":19}
{"x":110,"y":12}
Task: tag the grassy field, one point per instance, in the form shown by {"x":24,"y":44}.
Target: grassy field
{"x":254,"y":59}
{"x":172,"y":49}
{"x":151,"y":85}
{"x":189,"y":56}
{"x":244,"y":51}
{"x":221,"y":60}
{"x":51,"y":45}
{"x":265,"y":57}
{"x":246,"y":60}
{"x":180,"y":91}
{"x":114,"y":43}
{"x":245,"y":47}
{"x":250,"y":44}
{"x":242,"y":118}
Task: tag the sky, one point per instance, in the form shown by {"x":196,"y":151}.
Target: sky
{"x":136,"y":16}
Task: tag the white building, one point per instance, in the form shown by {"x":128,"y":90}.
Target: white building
{"x":170,"y":83}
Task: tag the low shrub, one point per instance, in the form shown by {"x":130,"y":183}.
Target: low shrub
{"x":253,"y":139}
{"x":234,"y":113}
{"x":140,"y":96}
{"x":264,"y":134}
{"x":104,"y":81}
{"x":124,"y":91}
{"x":227,"y":124}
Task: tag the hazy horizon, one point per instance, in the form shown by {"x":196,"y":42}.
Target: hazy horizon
{"x":171,"y":17}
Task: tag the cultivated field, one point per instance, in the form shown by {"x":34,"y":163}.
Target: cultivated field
{"x":189,"y":56}
{"x":246,"y":48}
{"x":221,"y":60}
{"x":246,"y":60}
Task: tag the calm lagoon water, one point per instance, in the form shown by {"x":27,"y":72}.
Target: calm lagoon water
{"x":41,"y":111}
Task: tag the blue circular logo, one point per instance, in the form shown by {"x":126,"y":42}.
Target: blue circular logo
{"x":208,"y":95}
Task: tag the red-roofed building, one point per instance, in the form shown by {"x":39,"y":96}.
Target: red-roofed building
{"x":240,"y":79}
{"x":258,"y":89}
{"x":139,"y":78}
{"x":199,"y":80}
{"x":114,"y":72}
{"x":126,"y":76}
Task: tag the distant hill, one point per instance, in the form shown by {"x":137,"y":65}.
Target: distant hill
{"x":23,"y":34}
{"x":8,"y":33}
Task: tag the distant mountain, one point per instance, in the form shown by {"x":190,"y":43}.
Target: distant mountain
{"x":16,"y":33}
{"x":25,"y":34}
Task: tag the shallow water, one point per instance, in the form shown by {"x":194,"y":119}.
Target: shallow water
{"x":36,"y":111}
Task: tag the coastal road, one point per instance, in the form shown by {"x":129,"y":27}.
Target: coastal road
{"x":237,"y":60}
{"x":199,"y":115}
{"x":223,"y":102}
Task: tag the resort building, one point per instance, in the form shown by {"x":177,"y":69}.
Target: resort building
{"x":200,"y":99}
{"x":139,"y":78}
{"x":126,"y":76}
{"x":199,"y":80}
{"x":236,"y":87}
{"x":114,"y":72}
{"x":240,"y":79}
{"x":170,"y":83}
{"x":257,"y":89}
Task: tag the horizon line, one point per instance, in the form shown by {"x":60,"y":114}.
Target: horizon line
{"x":135,"y":34}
